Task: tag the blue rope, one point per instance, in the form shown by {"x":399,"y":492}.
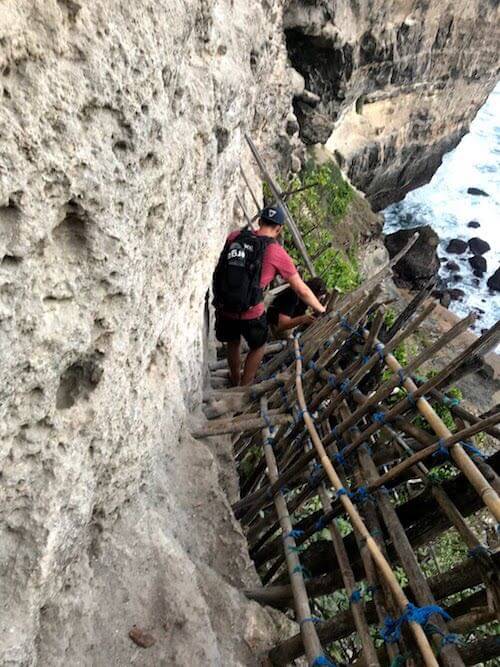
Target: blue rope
{"x":402,"y":377}
{"x":340,"y":458}
{"x":379,"y":349}
{"x":378,"y":417}
{"x":300,"y":569}
{"x":315,"y":477}
{"x":451,"y":401}
{"x":478,"y":551}
{"x":270,"y":442}
{"x":321,"y":523}
{"x":322,"y":661}
{"x":345,"y":386}
{"x":365,"y":359}
{"x":474,"y":451}
{"x":441,"y":450}
{"x":356,"y":595}
{"x":344,"y":323}
{"x":411,"y":399}
{"x":332,"y":380}
{"x":362,"y":495}
{"x":312,"y":364}
{"x":450,"y":638}
{"x":391,"y":630}
{"x":343,"y":492}
{"x":295,"y":533}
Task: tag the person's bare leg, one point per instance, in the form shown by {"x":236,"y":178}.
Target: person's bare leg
{"x":234,"y":362}
{"x":252,"y":363}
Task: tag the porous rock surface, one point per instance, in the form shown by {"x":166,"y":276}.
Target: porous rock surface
{"x":121,"y":135}
{"x":398,"y":82}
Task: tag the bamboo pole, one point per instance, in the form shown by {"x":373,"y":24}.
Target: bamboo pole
{"x":357,"y":522}
{"x":302,"y":608}
{"x":222,"y":426}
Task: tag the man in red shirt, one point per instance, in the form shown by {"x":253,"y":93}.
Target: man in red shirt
{"x":252,"y":324}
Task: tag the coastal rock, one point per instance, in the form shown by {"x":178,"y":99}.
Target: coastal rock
{"x":421,"y":262}
{"x":474,"y":224}
{"x":456,"y":246}
{"x":478,"y":246}
{"x":478,"y":263}
{"x":456,"y":294}
{"x":452,"y":266}
{"x":494,"y":281}
{"x":477,"y":192}
{"x":398,"y":83}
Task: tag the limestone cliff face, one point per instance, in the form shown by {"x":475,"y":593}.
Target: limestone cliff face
{"x":399,"y":82}
{"x":121,"y":136}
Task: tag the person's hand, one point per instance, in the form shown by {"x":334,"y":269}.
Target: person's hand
{"x":323,"y":310}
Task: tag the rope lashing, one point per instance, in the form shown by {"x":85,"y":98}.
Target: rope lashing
{"x":332,"y":380}
{"x":410,"y":397}
{"x":451,"y":638}
{"x":479,"y":551}
{"x":441,"y":450}
{"x":321,"y":524}
{"x":343,"y":492}
{"x":339,"y":457}
{"x":345,"y":324}
{"x":295,"y":533}
{"x":356,"y":596}
{"x":314,"y":479}
{"x":379,"y":349}
{"x":269,"y":441}
{"x":310,"y":619}
{"x":365,"y":359}
{"x":345,"y":386}
{"x":313,"y":365}
{"x":402,"y":377}
{"x":473,"y":451}
{"x":451,"y":401}
{"x":391,"y":630}
{"x":378,"y":417}
{"x":338,"y":438}
{"x":300,"y":569}
{"x":322,"y":661}
{"x":362,"y":495}
{"x":295,"y":549}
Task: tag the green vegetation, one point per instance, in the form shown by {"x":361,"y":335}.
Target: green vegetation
{"x":317,"y":210}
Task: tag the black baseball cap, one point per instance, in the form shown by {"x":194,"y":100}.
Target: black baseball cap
{"x":274,"y":214}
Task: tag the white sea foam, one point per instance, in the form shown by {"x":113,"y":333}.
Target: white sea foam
{"x":445,"y":205}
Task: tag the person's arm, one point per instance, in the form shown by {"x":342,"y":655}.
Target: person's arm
{"x":304,"y":293}
{"x":286,"y":322}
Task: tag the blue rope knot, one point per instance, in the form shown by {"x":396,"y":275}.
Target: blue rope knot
{"x":300,"y":569}
{"x":344,"y":323}
{"x":295,"y":533}
{"x":345,"y":386}
{"x":402,"y":377}
{"x":312,"y":364}
{"x":362,"y":495}
{"x":314,"y":479}
{"x":332,"y":380}
{"x":451,"y":401}
{"x":378,"y":417}
{"x":473,"y":451}
{"x":391,"y":630}
{"x":379,"y":349}
{"x":441,"y":450}
{"x":299,"y":357}
{"x":321,"y":523}
{"x":270,"y":442}
{"x":339,"y":457}
{"x":411,"y":399}
{"x":356,"y":595}
{"x":322,"y":661}
{"x":478,"y":551}
{"x":343,"y":492}
{"x":365,"y":359}
{"x":450,"y":638}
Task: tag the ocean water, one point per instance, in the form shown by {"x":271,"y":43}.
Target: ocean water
{"x":445,"y":205}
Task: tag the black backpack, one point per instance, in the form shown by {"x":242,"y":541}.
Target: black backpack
{"x":236,"y":282}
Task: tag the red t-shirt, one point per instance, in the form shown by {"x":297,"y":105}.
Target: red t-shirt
{"x":276,"y":261}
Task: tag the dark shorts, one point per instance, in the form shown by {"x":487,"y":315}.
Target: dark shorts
{"x":253,"y":331}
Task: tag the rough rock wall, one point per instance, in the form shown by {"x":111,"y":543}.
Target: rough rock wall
{"x":398,"y":81}
{"x":121,"y":132}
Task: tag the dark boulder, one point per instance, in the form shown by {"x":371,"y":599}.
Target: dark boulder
{"x":456,"y":246}
{"x":494,"y":281}
{"x":478,"y":263}
{"x":452,"y":266}
{"x":478,"y":246}
{"x":456,"y":294}
{"x":477,"y":191}
{"x":421,"y":262}
{"x":474,"y":224}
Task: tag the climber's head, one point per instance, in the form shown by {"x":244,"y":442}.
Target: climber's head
{"x":272,"y":220}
